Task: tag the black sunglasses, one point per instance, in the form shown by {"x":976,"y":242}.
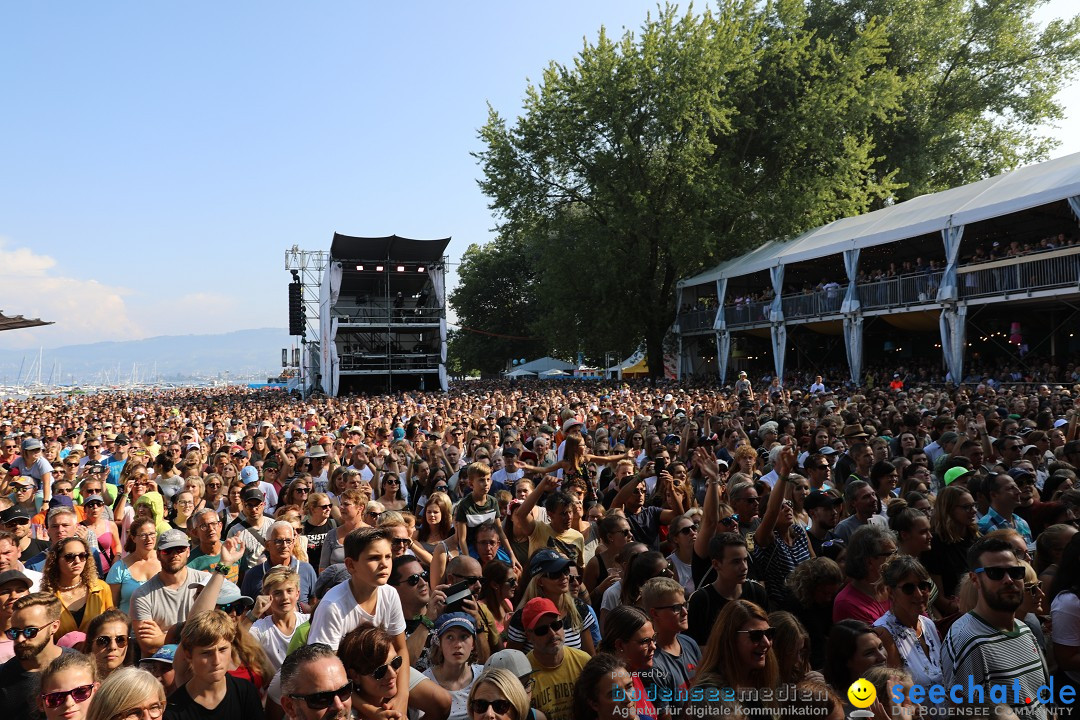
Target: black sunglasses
{"x":104,"y":641}
{"x":414,"y":579}
{"x":1016,"y":572}
{"x":909,"y":588}
{"x":479,"y":707}
{"x":689,"y":529}
{"x":323,"y":700}
{"x":542,"y":630}
{"x":757,"y":636}
{"x":380,"y":672}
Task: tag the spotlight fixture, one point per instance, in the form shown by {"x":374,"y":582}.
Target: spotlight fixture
{"x":420,"y":269}
{"x":379,"y":268}
{"x":401,"y":268}
{"x":360,"y":267}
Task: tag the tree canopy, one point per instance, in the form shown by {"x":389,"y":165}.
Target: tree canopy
{"x":656,"y":155}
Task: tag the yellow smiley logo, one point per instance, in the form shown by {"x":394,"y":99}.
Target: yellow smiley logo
{"x":862,"y":693}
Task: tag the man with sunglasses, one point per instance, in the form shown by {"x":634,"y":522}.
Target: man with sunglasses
{"x":13,"y":585}
{"x":677,"y":654}
{"x":466,"y":569}
{"x":555,"y":667}
{"x":409,"y":578}
{"x":34,"y":620}
{"x":988,"y":646}
{"x":206,"y":553}
{"x":314,"y":685}
{"x":17,"y":521}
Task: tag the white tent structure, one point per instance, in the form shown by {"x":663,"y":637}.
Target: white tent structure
{"x":554,"y":373}
{"x":520,"y":373}
{"x":946,"y":212}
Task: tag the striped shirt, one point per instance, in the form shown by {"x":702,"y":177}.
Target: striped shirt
{"x":977,"y":654}
{"x":515,"y":630}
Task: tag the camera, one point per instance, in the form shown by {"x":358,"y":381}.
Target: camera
{"x":456,"y":595}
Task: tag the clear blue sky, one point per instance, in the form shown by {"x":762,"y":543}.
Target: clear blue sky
{"x":156,"y":159}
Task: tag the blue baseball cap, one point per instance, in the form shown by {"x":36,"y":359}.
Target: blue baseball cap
{"x":547,"y":560}
{"x":249,"y":475}
{"x":165,"y":654}
{"x":455,"y":619}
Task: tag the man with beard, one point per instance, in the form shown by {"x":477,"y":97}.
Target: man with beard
{"x":555,"y":667}
{"x":824,"y":511}
{"x":34,"y":620}
{"x":177,"y":592}
{"x":1004,"y":496}
{"x":315,"y":686}
{"x":988,"y":647}
{"x":864,"y":504}
{"x":13,"y":585}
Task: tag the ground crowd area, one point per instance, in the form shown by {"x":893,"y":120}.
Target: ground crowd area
{"x":552,"y":549}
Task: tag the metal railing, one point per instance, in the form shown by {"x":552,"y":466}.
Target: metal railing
{"x":1037,"y":273}
{"x":1042,"y":271}
{"x":405,"y":361}
{"x":696,"y":320}
{"x":375,"y":314}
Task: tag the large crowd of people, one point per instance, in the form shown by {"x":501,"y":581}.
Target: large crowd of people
{"x":567,"y":551}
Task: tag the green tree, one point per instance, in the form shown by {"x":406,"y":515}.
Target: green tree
{"x":496,"y":306}
{"x":978,"y":78}
{"x":654,"y":156}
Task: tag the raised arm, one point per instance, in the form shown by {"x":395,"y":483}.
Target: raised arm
{"x":704,"y":461}
{"x":784,"y":463}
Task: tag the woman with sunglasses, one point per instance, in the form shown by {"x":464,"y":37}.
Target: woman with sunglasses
{"x":780,"y":543}
{"x":683,"y":531}
{"x":68,"y":685}
{"x":1033,"y":607}
{"x":910,"y":638}
{"x":604,"y":569}
{"x":550,"y":578}
{"x":738,"y":655}
{"x":214,"y":492}
{"x":297,"y":492}
{"x":499,"y":587}
{"x":350,"y":505}
{"x":317,"y":522}
{"x":499,"y":695}
{"x":372,"y":665}
{"x":71,"y":575}
{"x":96,"y":517}
{"x":107,"y":641}
{"x":629,"y":636}
{"x":139,"y":564}
{"x":390,"y":492}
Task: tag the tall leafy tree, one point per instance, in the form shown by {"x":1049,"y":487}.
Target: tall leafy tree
{"x":978,"y":79}
{"x":656,"y":155}
{"x":496,"y":306}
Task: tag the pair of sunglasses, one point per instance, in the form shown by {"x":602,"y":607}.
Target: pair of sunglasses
{"x":380,"y":672}
{"x":79,"y":694}
{"x":542,"y":630}
{"x":104,"y":641}
{"x":414,"y":579}
{"x":29,"y":633}
{"x":997,"y":574}
{"x":501,"y":707}
{"x":757,"y":636}
{"x":909,"y":588}
{"x":323,"y":700}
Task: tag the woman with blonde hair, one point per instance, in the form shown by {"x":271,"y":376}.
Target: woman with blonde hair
{"x":318,"y":522}
{"x":67,"y":687}
{"x":128,"y":691}
{"x":551,"y":579}
{"x":954,"y":528}
{"x":71,"y":575}
{"x":502,"y":692}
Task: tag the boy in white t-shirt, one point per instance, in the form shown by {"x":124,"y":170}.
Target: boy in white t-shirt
{"x":365,"y":599}
{"x":281,"y":588}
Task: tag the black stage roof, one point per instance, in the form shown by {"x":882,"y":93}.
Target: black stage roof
{"x":346,"y":247}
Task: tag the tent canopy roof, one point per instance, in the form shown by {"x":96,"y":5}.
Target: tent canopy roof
{"x":1021,"y":189}
{"x":16,"y":322}
{"x":393,"y":247}
{"x":546,"y":363}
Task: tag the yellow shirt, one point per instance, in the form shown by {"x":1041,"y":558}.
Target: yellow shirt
{"x":570,"y":543}
{"x":98,"y":600}
{"x":553,"y":693}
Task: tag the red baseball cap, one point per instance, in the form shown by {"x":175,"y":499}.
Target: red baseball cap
{"x":536,"y":609}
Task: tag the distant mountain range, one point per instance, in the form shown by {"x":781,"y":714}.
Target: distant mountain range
{"x":243,"y":354}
